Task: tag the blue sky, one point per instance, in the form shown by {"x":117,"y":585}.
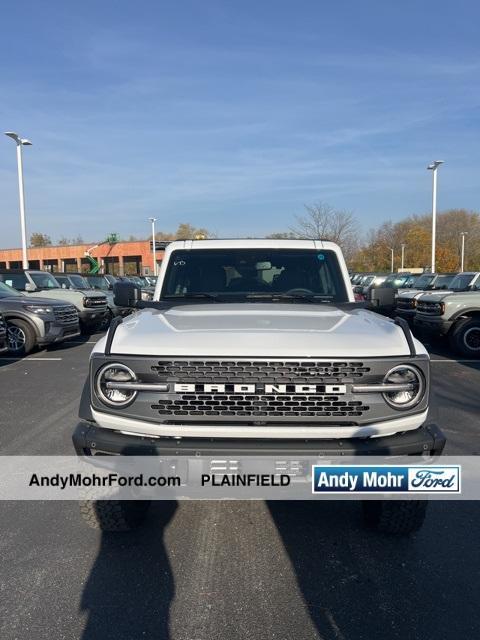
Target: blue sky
{"x":232,"y":115}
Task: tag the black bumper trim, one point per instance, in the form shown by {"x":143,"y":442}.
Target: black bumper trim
{"x":88,"y":438}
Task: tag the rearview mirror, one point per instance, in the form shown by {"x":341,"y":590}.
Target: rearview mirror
{"x":126,"y":294}
{"x":30,"y":287}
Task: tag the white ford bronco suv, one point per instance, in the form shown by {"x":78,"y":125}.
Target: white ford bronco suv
{"x":257,"y":346}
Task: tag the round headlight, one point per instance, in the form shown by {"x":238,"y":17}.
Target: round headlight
{"x":106,"y":385}
{"x":414,"y":382}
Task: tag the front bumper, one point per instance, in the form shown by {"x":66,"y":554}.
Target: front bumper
{"x":89,"y":439}
{"x":434,"y":325}
{"x":92,"y":316}
{"x":58,"y":333}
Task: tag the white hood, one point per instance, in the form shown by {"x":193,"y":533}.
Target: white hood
{"x":259,"y":330}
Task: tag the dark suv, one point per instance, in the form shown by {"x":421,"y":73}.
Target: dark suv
{"x":35,"y":321}
{"x":91,"y":305}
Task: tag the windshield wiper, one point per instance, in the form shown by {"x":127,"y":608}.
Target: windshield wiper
{"x":290,"y":296}
{"x":192,"y":296}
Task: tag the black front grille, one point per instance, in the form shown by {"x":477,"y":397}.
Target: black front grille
{"x":264,"y":371}
{"x":65,"y":314}
{"x":260,"y":404}
{"x":406,"y":303}
{"x":313,"y":406}
{"x":429,"y":307}
{"x":97,"y":301}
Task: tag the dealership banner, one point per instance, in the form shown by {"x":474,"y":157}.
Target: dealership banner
{"x":239,"y":477}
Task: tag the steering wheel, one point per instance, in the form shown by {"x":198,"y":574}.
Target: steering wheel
{"x":299,"y":290}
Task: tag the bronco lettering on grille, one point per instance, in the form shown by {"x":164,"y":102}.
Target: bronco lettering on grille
{"x":338,"y":389}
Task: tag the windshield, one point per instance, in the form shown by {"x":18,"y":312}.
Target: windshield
{"x":98,"y":282}
{"x":79,"y":282}
{"x":443,"y":282}
{"x":396,"y":281}
{"x":461,"y":281}
{"x":8,"y":292}
{"x":44,"y":281}
{"x":423,"y":281}
{"x":254,"y":273}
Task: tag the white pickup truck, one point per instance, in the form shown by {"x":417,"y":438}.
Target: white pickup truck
{"x":257,"y":346}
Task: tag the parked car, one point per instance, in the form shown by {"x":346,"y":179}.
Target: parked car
{"x":91,"y":306}
{"x":79,"y":282}
{"x":293,"y":367}
{"x":455,"y":315}
{"x":3,"y":335}
{"x":146,"y":289}
{"x":406,"y":300}
{"x":100,"y":281}
{"x":35,"y":322}
{"x":368,"y":282}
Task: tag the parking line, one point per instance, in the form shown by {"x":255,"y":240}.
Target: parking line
{"x":449,"y":360}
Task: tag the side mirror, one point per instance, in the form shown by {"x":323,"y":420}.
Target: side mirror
{"x":126,"y":294}
{"x":29,"y":287}
{"x":381,"y":299}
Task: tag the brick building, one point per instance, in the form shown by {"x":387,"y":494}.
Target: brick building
{"x":118,"y":258}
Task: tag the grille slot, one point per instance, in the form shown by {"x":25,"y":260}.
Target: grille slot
{"x":65,"y":314}
{"x":265,"y":371}
{"x":258,"y":406}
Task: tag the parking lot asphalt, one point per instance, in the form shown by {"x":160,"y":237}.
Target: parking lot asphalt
{"x":208,"y":570}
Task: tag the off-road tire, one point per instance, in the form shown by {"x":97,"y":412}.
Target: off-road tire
{"x":21,"y":328}
{"x":464,"y":332}
{"x":398,"y":517}
{"x":114,"y":515}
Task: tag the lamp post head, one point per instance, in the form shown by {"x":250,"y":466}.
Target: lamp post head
{"x":16,"y":137}
{"x":464,"y":233}
{"x":434,"y":165}
{"x":152,"y":219}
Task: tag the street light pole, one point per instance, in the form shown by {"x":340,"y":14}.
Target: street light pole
{"x":20,"y":142}
{"x":463,"y":234}
{"x":154,"y":248}
{"x":403,"y":255}
{"x":391,"y":269}
{"x":433,"y":168}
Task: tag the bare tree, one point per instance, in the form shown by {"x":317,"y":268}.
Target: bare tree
{"x":321,"y":220}
{"x":40,"y":240}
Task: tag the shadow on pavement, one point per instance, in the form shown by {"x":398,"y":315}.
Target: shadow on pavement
{"x":130,"y":588}
{"x":360,"y":584}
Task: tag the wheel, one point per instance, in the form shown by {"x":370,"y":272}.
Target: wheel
{"x":105,"y":322}
{"x":114,"y":515}
{"x":465,"y":337}
{"x":20,"y":337}
{"x":399,"y":517}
